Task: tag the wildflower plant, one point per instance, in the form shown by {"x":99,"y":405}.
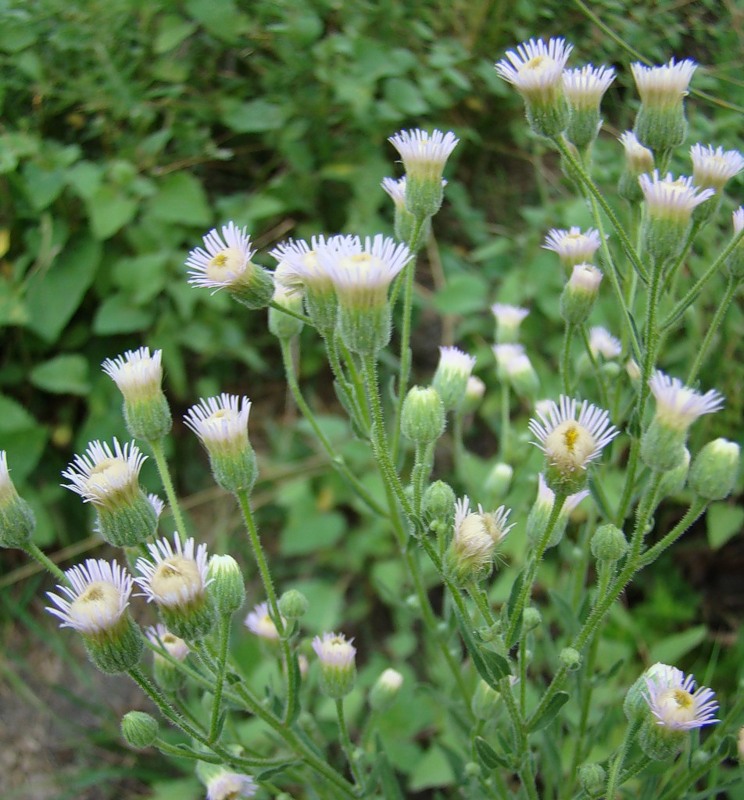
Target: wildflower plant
{"x":509,"y":674}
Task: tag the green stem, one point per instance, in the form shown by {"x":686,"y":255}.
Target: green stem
{"x":617,"y":764}
{"x":36,"y":553}
{"x":693,"y":513}
{"x":165,"y":478}
{"x":505,"y":419}
{"x":526,"y":774}
{"x":356,"y":381}
{"x":672,"y":271}
{"x":692,"y":294}
{"x":224,"y":641}
{"x":421,"y":471}
{"x":731,"y":287}
{"x":336,"y":459}
{"x":531,"y":570}
{"x":290,"y":313}
{"x":348,"y":748}
{"x":604,"y":399}
{"x":566,"y":358}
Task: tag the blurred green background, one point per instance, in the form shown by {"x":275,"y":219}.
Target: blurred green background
{"x":130,"y":127}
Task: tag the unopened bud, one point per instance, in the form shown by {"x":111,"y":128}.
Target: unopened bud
{"x":422,"y":417}
{"x":385,"y":690}
{"x":227,"y":585}
{"x":293,"y":604}
{"x":580,"y":293}
{"x":714,"y":471}
{"x":139,"y":730}
{"x":609,"y":543}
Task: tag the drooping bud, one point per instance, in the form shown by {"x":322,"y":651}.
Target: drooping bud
{"x":293,"y":604}
{"x":139,"y":729}
{"x":715,"y":469}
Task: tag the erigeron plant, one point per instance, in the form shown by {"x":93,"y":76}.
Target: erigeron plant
{"x":506,"y":693}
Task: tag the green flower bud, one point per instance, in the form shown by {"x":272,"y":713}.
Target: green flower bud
{"x":673,"y":482}
{"x":227,"y":586}
{"x":439,"y":503}
{"x":714,"y":471}
{"x":139,"y":376}
{"x":385,"y":690}
{"x":451,"y":378}
{"x":118,"y":650}
{"x":638,"y":161}
{"x":404,"y":223}
{"x":166,"y":674}
{"x":293,"y":604}
{"x":422,"y":416}
{"x":139,"y":730}
{"x":663,"y":448}
{"x":580,"y":293}
{"x":531,"y":618}
{"x":584,"y":90}
{"x":474,"y":391}
{"x":337,"y":667}
{"x":570,"y":658}
{"x":499,"y":479}
{"x":284,"y":326}
{"x":16,"y":518}
{"x":659,"y":742}
{"x":609,"y":543}
{"x":592,"y":778}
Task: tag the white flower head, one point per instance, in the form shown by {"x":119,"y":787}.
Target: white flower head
{"x":674,"y":701}
{"x":572,"y":246}
{"x":299,"y":269}
{"x":224,"y":262}
{"x":361,"y":272}
{"x":8,"y":491}
{"x":670,"y":197}
{"x":663,"y":86}
{"x":602,"y":342}
{"x":424,"y":154}
{"x":396,"y":190}
{"x":495,"y":522}
{"x":585,"y":87}
{"x":106,"y":477}
{"x":391,"y":679}
{"x":259,"y":622}
{"x":454,"y":361}
{"x":585,"y":278}
{"x":160,"y":636}
{"x":137,"y":373}
{"x":225,"y":785}
{"x":177,"y":574}
{"x":570,"y":442}
{"x":221,"y":422}
{"x":510,"y":358}
{"x":678,"y":406}
{"x":508,"y":320}
{"x":639,"y":159}
{"x":334,"y":650}
{"x":475,"y":389}
{"x":472,"y":543}
{"x":712,"y":168}
{"x":535,"y":68}
{"x":96,"y":599}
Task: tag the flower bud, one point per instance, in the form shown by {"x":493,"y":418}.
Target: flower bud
{"x":638,"y":161}
{"x":658,"y":742}
{"x":609,"y":543}
{"x":227,"y":586}
{"x":584,"y":90}
{"x":166,"y":674}
{"x":469,"y":556}
{"x":16,"y":518}
{"x":439,"y":503}
{"x":451,"y":377}
{"x":508,"y":320}
{"x":337,"y":667}
{"x":285,"y":326}
{"x":293,"y":604}
{"x":422,"y":416}
{"x":474,"y":391}
{"x":715,"y":469}
{"x":570,"y":658}
{"x":580,"y":293}
{"x":673,"y":482}
{"x":499,"y":479}
{"x":531,"y":618}
{"x":592,"y":778}
{"x":139,"y":729}
{"x":385,"y":690}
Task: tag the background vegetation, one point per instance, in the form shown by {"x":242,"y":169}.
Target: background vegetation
{"x":129,"y":128}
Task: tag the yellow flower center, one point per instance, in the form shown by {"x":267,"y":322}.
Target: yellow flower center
{"x":175,"y":578}
{"x":108,"y":476}
{"x":676,"y":705}
{"x":227,"y":265}
{"x":99,"y":600}
{"x":569,"y":445}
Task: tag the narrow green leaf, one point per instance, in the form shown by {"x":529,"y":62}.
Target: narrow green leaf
{"x":557,"y":701}
{"x":487,"y":755}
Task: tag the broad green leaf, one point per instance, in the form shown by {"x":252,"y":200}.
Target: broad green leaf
{"x":405,"y":96}
{"x":222,"y":20}
{"x":54,"y":296}
{"x":255,"y":116}
{"x":172,"y":30}
{"x":670,"y":649}
{"x":43,"y":186}
{"x":723,"y":521}
{"x":64,"y":374}
{"x":118,"y":315}
{"x":142,"y":277}
{"x":109,"y":210}
{"x":432,"y":770}
{"x":181,"y":199}
{"x":17,"y":31}
{"x":463,"y":294}
{"x":21,"y":436}
{"x":85,"y":178}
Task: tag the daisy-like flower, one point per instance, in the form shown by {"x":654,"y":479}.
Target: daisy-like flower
{"x":572,"y":246}
{"x":16,"y":517}
{"x":603,"y":343}
{"x":336,"y":654}
{"x":678,"y":406}
{"x":508,"y":320}
{"x":259,"y":622}
{"x":160,"y":636}
{"x":109,"y":480}
{"x":424,"y":155}
{"x":226,"y":263}
{"x":396,"y":190}
{"x":571,"y":436}
{"x":451,"y":376}
{"x":222,"y":425}
{"x":104,"y":476}
{"x":671,"y":198}
{"x":661,"y":123}
{"x":95,"y":604}
{"x":495,"y":522}
{"x":638,"y":160}
{"x":361,"y":273}
{"x":470,"y":553}
{"x":536,"y":71}
{"x":712,"y":168}
{"x":225,"y":785}
{"x":584,"y":90}
{"x":175,"y":577}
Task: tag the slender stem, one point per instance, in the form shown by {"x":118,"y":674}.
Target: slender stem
{"x":695,"y":511}
{"x":405,"y":334}
{"x":224,"y":641}
{"x":481,"y":601}
{"x":597,"y":368}
{"x":336,"y":459}
{"x":672,"y":271}
{"x":692,"y":294}
{"x":566,"y":358}
{"x":420,"y":473}
{"x":165,"y":478}
{"x":347,"y":746}
{"x":344,"y":385}
{"x":523,"y":675}
{"x":617,"y":764}
{"x":731,"y":287}
{"x":526,"y":774}
{"x":356,"y":380}
{"x":505,"y":419}
{"x":289,"y":312}
{"x":37,"y":554}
